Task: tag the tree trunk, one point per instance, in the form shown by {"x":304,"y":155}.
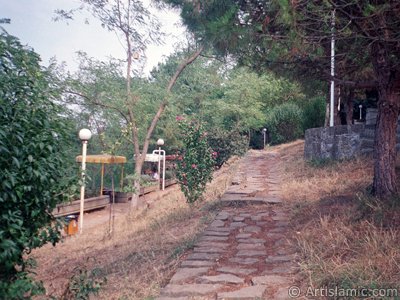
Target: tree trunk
{"x":384,"y":183}
{"x":140,"y":155}
{"x":136,"y":183}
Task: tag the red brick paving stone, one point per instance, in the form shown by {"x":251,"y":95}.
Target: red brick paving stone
{"x":216,"y":233}
{"x":183,"y":274}
{"x":237,"y":225}
{"x":213,"y":239}
{"x":245,"y":293}
{"x":223,"y":216}
{"x":219,"y":229}
{"x":273,"y":200}
{"x":246,"y":215}
{"x":208,"y":250}
{"x":212,"y":244}
{"x":236,"y":270}
{"x":203,"y":256}
{"x":191,"y":289}
{"x":251,"y":240}
{"x":253,"y":246}
{"x":243,"y":235}
{"x":222,"y":278}
{"x":197,"y":263}
{"x":251,"y":253}
{"x":253,"y":229}
{"x":244,"y":260}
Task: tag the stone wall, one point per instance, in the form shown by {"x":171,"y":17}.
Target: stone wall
{"x":344,"y":141}
{"x":338,"y":142}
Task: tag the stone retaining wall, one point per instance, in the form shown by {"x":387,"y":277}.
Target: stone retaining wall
{"x":338,"y":142}
{"x":344,"y":141}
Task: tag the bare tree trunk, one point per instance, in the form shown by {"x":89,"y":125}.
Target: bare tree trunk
{"x":384,"y":183}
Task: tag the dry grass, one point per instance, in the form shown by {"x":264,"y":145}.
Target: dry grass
{"x":346,"y":238}
{"x":143,"y":250}
{"x":305,"y":181}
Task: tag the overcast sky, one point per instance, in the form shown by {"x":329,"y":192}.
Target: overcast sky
{"x":31,"y":22}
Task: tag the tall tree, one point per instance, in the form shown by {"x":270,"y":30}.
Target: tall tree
{"x":297,"y":34}
{"x":136,"y":27}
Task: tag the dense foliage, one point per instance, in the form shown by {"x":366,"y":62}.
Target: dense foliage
{"x":314,"y":113}
{"x":32,"y":140}
{"x":226,"y":144}
{"x":196,"y":165}
{"x":284,"y":123}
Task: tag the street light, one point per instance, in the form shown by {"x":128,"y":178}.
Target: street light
{"x":84,"y":135}
{"x":160,"y":142}
{"x":360,"y":107}
{"x":264,"y":133}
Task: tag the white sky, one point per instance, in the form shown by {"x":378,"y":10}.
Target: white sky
{"x":31,"y":22}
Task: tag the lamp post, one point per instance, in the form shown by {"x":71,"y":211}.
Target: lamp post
{"x":160,"y":142}
{"x":264,"y":133}
{"x":84,"y":135}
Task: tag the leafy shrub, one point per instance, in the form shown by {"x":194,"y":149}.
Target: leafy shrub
{"x":284,"y":123}
{"x":195,"y":168}
{"x":83,"y":284}
{"x":314,"y":113}
{"x":226,"y":144}
{"x":33,"y":137}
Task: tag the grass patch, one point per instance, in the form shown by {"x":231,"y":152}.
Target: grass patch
{"x":322,"y":163}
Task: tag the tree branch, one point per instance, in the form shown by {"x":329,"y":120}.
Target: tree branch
{"x":164,"y":103}
{"x":99,"y":103}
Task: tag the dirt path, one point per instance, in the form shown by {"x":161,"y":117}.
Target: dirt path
{"x":244,"y":253}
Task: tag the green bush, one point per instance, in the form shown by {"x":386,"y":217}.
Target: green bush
{"x":195,"y":168}
{"x":314,"y":113}
{"x":226,"y":144}
{"x":284,"y":123}
{"x":33,"y":138}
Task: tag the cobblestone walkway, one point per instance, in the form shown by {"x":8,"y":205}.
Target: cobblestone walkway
{"x":243,"y":254}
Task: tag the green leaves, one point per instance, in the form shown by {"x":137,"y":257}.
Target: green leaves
{"x":195,"y":167}
{"x":31,"y":163}
{"x":284,"y":123}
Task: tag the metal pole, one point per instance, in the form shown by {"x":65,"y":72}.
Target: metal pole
{"x":163,"y":178}
{"x":102,"y":180}
{"x":264,"y":138}
{"x":332,"y":96}
{"x":159,"y":167}
{"x":84,"y":149}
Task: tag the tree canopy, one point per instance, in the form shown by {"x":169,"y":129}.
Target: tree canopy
{"x":297,"y":35}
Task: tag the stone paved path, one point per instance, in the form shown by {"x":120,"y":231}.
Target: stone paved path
{"x":243,"y":253}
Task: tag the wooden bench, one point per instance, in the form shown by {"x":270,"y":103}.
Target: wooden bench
{"x":69,"y":208}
